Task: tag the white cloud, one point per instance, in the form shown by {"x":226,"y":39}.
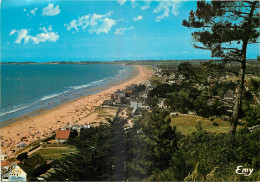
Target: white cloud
{"x":94,"y":23}
{"x":24,"y":9}
{"x":146,"y":4}
{"x":33,"y":11}
{"x":46,"y":35}
{"x":50,"y":10}
{"x":138,"y":18}
{"x":22,"y":34}
{"x":145,"y":7}
{"x":167,"y":7}
{"x":184,"y":52}
{"x":12,"y":32}
{"x":121,"y":19}
{"x":133,"y":4}
{"x":121,"y":2}
{"x":120,"y":31}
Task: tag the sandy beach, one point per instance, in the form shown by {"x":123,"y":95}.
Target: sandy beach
{"x":29,"y":129}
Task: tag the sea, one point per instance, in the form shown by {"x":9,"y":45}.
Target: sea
{"x":29,"y":88}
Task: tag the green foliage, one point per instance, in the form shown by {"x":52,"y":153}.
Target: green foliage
{"x":218,"y":22}
{"x":194,"y":176}
{"x":161,"y":90}
{"x":220,"y":27}
{"x":219,"y":89}
{"x":255,"y":86}
{"x":215,"y":124}
{"x":189,"y":71}
{"x":111,"y":152}
{"x":152,"y":150}
{"x":252,"y":115}
{"x":93,"y":160}
{"x":222,"y":151}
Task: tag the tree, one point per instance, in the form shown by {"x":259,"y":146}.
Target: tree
{"x":222,"y":26}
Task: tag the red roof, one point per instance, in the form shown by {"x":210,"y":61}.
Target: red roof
{"x":62,"y":134}
{"x":5,"y":163}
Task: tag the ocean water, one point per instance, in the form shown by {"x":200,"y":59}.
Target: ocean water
{"x":30,"y":87}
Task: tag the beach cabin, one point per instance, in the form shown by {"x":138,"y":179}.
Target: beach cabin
{"x":25,"y":170}
{"x":62,"y":136}
{"x":15,"y":174}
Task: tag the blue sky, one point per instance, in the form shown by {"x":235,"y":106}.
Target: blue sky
{"x":41,"y":31}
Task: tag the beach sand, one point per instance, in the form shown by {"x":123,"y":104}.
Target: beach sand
{"x":77,"y":111}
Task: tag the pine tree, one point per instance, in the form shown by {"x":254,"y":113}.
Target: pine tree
{"x":226,"y":28}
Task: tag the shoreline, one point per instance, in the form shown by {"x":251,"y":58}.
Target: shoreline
{"x":87,"y":92}
{"x":74,"y":111}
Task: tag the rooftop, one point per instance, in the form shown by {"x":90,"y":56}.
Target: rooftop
{"x":63,"y":134}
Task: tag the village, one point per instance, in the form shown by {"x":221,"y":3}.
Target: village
{"x":33,"y":162}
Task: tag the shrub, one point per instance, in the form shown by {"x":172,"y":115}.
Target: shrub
{"x":214,"y":123}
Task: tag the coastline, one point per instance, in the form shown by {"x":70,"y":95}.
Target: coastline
{"x":68,"y":100}
{"x":45,"y":122}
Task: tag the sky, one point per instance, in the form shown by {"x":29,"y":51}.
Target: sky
{"x":42,"y":31}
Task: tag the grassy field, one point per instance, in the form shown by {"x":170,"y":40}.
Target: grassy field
{"x":54,"y":153}
{"x":186,"y":124}
{"x":106,"y":112}
{"x":155,"y":80}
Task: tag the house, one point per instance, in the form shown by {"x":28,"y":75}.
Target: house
{"x":178,"y":82}
{"x":2,"y":157}
{"x":172,"y":81}
{"x":108,"y":103}
{"x":181,"y":77}
{"x":172,"y":76}
{"x":15,"y":174}
{"x":62,"y":136}
{"x":210,"y":102}
{"x":174,"y":114}
{"x":23,"y":171}
{"x":128,"y":93}
{"x":210,"y":79}
{"x":229,"y":96}
{"x":162,"y":104}
{"x":247,"y":85}
{"x":76,"y":129}
{"x":151,"y":88}
{"x":127,"y":100}
{"x":191,"y":113}
{"x":254,"y":128}
{"x":118,"y":99}
{"x":144,"y":94}
{"x":145,"y":107}
{"x":113,"y":95}
{"x":136,"y":112}
{"x":202,"y":87}
{"x":135,"y":103}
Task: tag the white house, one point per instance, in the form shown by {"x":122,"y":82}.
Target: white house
{"x":162,"y":103}
{"x":16,"y":174}
{"x":62,"y":136}
{"x":135,"y":103}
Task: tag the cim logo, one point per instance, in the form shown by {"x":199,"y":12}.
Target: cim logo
{"x":244,"y":171}
{"x":17,"y":171}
